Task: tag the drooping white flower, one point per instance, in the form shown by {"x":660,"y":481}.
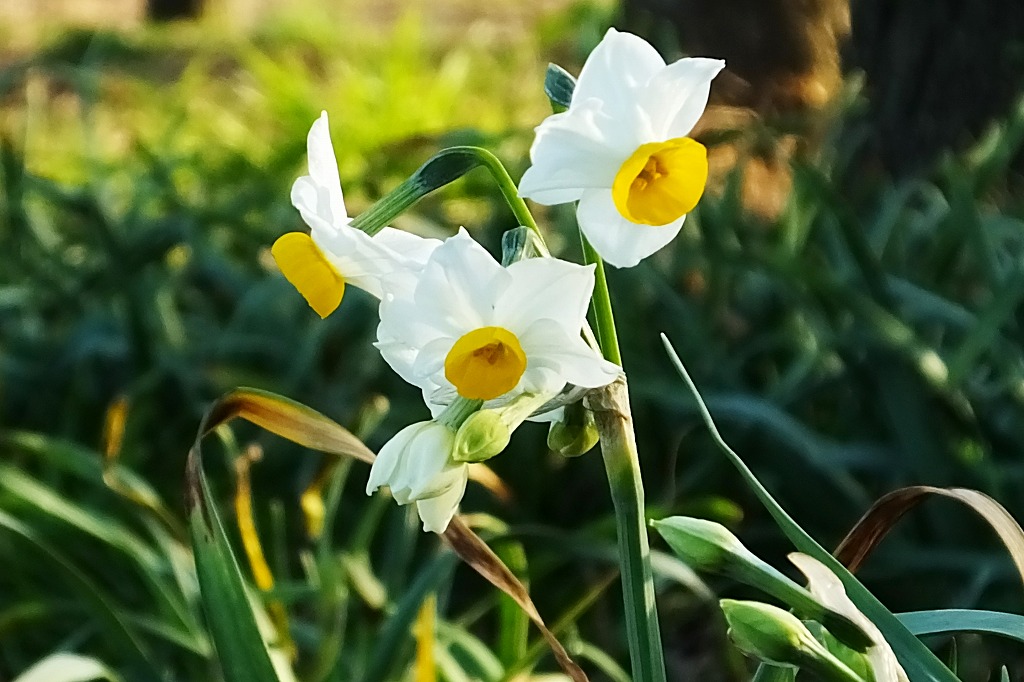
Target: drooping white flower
{"x":828,"y":589}
{"x":621,"y":149}
{"x":333,"y":254}
{"x":417,"y":465}
{"x":475,"y":329}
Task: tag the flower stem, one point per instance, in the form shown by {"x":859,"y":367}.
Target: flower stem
{"x":507,"y":187}
{"x":610,"y":406}
{"x":601,"y":306}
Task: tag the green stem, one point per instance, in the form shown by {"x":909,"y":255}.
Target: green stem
{"x":447,"y":165}
{"x":622,"y":465}
{"x":601,"y":306}
{"x":506,"y":186}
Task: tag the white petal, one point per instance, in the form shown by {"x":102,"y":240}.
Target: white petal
{"x":572,"y":153}
{"x":401,"y":322}
{"x":413,"y":247}
{"x":323,"y":166}
{"x":314,"y":205}
{"x":548,"y":346}
{"x":429,"y":462}
{"x":438,"y":398}
{"x":459,"y":285}
{"x":389,"y":458}
{"x":437,"y":512}
{"x":619,"y":66}
{"x":368,"y":262}
{"x":401,"y":358}
{"x":619,"y":242}
{"x":429,"y":365}
{"x":675,"y":98}
{"x":546,"y":288}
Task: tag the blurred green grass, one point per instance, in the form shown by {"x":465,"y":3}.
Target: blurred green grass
{"x":867,"y":338}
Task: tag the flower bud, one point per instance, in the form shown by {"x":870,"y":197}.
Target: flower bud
{"x":777,"y":636}
{"x":709,"y":546}
{"x":575,"y":434}
{"x":766,"y":632}
{"x":483,"y":435}
{"x":704,"y":545}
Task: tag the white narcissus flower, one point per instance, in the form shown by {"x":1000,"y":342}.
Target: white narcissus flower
{"x":828,"y":589}
{"x":621,"y":149}
{"x":333,"y":254}
{"x":417,"y":465}
{"x":475,"y":329}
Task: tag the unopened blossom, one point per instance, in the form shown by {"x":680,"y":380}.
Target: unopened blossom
{"x":622,"y":148}
{"x":417,"y":466}
{"x":475,"y":329}
{"x":333,"y":254}
{"x":828,"y":589}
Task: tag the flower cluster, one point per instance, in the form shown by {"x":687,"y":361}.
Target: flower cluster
{"x":492,"y":345}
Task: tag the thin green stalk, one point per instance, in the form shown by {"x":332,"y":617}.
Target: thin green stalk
{"x":601,"y":306}
{"x":622,"y":465}
{"x":444,"y":167}
{"x":507,"y":187}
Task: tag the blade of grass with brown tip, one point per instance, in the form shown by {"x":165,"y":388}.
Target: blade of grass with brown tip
{"x":475,"y":552}
{"x":286,"y":418}
{"x":886,"y":512}
{"x":307,"y":427}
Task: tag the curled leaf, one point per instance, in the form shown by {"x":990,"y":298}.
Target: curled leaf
{"x":889,"y":509}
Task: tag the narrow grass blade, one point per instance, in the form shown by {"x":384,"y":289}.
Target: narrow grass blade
{"x":920,"y":664}
{"x":115,"y":624}
{"x":396,"y":629}
{"x":948,"y":621}
{"x":288,"y":419}
{"x":241,"y":649}
{"x":477,"y":554}
{"x":309,"y":428}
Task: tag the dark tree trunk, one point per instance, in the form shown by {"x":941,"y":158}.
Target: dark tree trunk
{"x":938,"y":72}
{"x":781,"y":55}
{"x":164,"y":10}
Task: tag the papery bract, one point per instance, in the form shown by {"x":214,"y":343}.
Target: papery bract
{"x":621,"y":149}
{"x":333,"y":254}
{"x":828,"y":589}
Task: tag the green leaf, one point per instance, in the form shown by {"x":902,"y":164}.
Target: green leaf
{"x":114,"y":622}
{"x":241,"y":649}
{"x":947,"y":621}
{"x":920,"y":664}
{"x":395,"y":631}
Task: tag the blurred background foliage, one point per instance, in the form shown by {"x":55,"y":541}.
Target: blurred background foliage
{"x":848,"y":295}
